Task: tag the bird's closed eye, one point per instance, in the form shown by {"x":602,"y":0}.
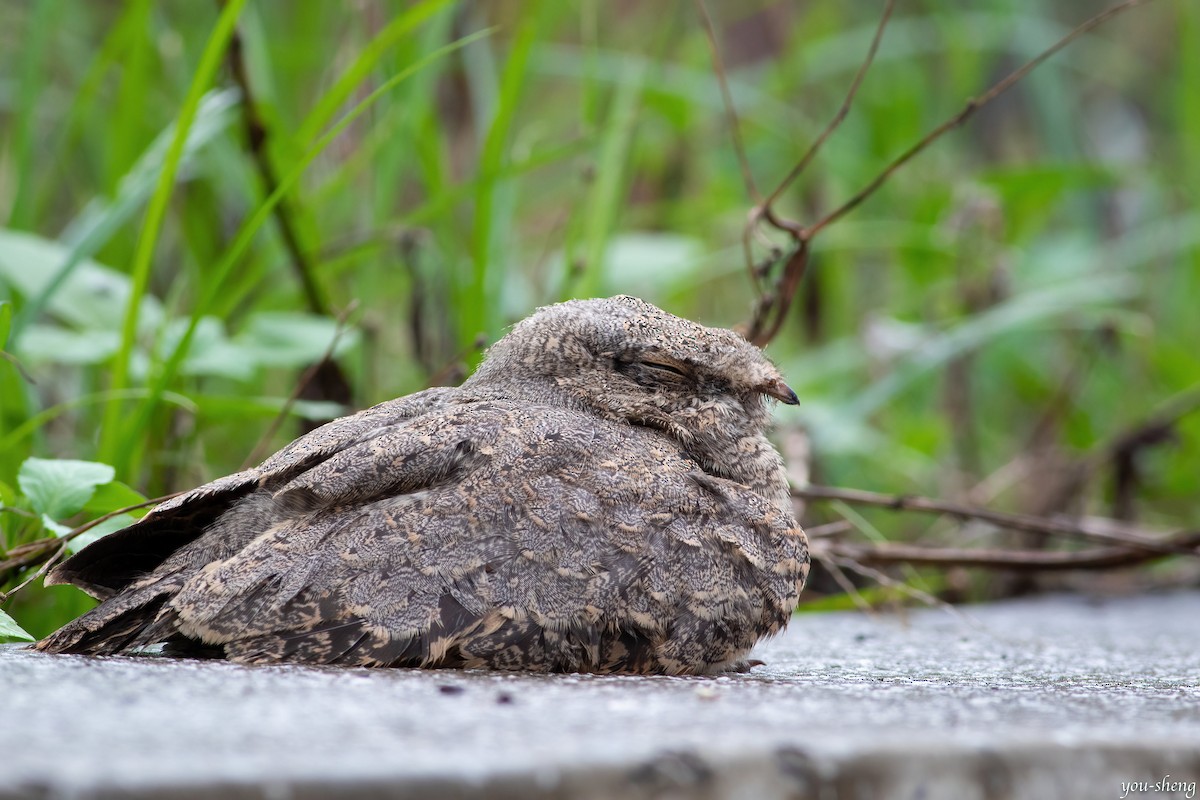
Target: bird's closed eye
{"x":662,"y":366}
{"x":650,"y":372}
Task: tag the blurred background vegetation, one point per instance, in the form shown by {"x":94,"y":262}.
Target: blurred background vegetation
{"x":1010,"y":321}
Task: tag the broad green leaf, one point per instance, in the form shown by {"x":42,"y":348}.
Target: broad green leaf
{"x":100,"y":219}
{"x":211,"y":352}
{"x":9,"y":630}
{"x":91,"y":297}
{"x":284,"y":339}
{"x":55,"y":345}
{"x":59,"y":488}
{"x":111,"y":496}
{"x":650,"y":264}
{"x":56,"y":528}
{"x":214,"y":406}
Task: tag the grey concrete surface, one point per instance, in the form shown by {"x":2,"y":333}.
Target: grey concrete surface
{"x":1049,"y":698}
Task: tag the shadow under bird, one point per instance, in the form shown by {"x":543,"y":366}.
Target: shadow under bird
{"x":600,"y":496}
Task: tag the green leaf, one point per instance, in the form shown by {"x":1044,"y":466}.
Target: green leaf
{"x":91,"y":297}
{"x":111,"y":496}
{"x":57,"y":528}
{"x":284,"y":339}
{"x":649,"y":263}
{"x":55,"y":345}
{"x":211,"y":352}
{"x":100,"y":219}
{"x":59,"y":488}
{"x":9,"y":630}
{"x":218,"y":407}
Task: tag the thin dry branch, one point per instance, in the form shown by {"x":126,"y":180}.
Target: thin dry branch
{"x":774,"y":304}
{"x":887,"y":581}
{"x":42,"y":551}
{"x":1096,"y":558}
{"x":735,"y":129}
{"x":1113,"y":533}
{"x":969,"y":110}
{"x":327,"y":380}
{"x":256,"y":138}
{"x":765,"y":208}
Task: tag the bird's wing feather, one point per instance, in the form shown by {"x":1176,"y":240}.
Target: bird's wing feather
{"x":114,"y":562}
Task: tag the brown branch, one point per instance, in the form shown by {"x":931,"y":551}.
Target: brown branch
{"x":829,"y":558}
{"x":454,"y":370}
{"x":1096,"y":558}
{"x":765,"y":208}
{"x":973,"y":105}
{"x":50,"y":561}
{"x":1162,"y":419}
{"x":31,"y":554}
{"x":735,"y":131}
{"x":776,"y":304}
{"x":330,"y":382}
{"x":835,"y":528}
{"x":1130,"y":539}
{"x":256,"y":137}
{"x":18,"y":366}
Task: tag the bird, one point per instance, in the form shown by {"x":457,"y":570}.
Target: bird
{"x":600,"y":496}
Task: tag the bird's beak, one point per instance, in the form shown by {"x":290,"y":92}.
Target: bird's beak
{"x":780,"y":391}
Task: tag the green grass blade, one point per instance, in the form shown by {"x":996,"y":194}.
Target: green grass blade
{"x":221,"y":272}
{"x":349,"y":80}
{"x":478,"y":307}
{"x":99,"y":220}
{"x":111,"y":428}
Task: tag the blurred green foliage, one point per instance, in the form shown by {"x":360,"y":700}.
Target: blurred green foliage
{"x":992,"y":319}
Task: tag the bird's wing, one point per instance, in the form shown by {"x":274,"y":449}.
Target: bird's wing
{"x":498,"y":535}
{"x":114,"y":562}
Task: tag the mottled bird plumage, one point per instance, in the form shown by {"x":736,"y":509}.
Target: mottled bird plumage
{"x":598,"y":496}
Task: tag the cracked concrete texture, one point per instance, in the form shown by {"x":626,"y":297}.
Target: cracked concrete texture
{"x":1055,"y":697}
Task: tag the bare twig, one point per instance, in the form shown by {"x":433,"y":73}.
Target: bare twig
{"x":42,"y":570}
{"x":764,"y":208}
{"x":735,"y":131}
{"x":39,"y":551}
{"x":969,"y":110}
{"x":327,"y":380}
{"x":1166,"y":415}
{"x":847,"y":586}
{"x":890,"y":582}
{"x":18,"y":366}
{"x":773,"y":307}
{"x":256,"y":136}
{"x":836,"y":528}
{"x":1096,"y":558}
{"x":1130,"y":539}
{"x":774,"y":304}
{"x":455,"y":367}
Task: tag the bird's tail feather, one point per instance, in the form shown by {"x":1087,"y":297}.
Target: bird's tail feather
{"x":112,"y":627}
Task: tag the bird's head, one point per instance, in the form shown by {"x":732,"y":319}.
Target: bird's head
{"x":630,"y":361}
